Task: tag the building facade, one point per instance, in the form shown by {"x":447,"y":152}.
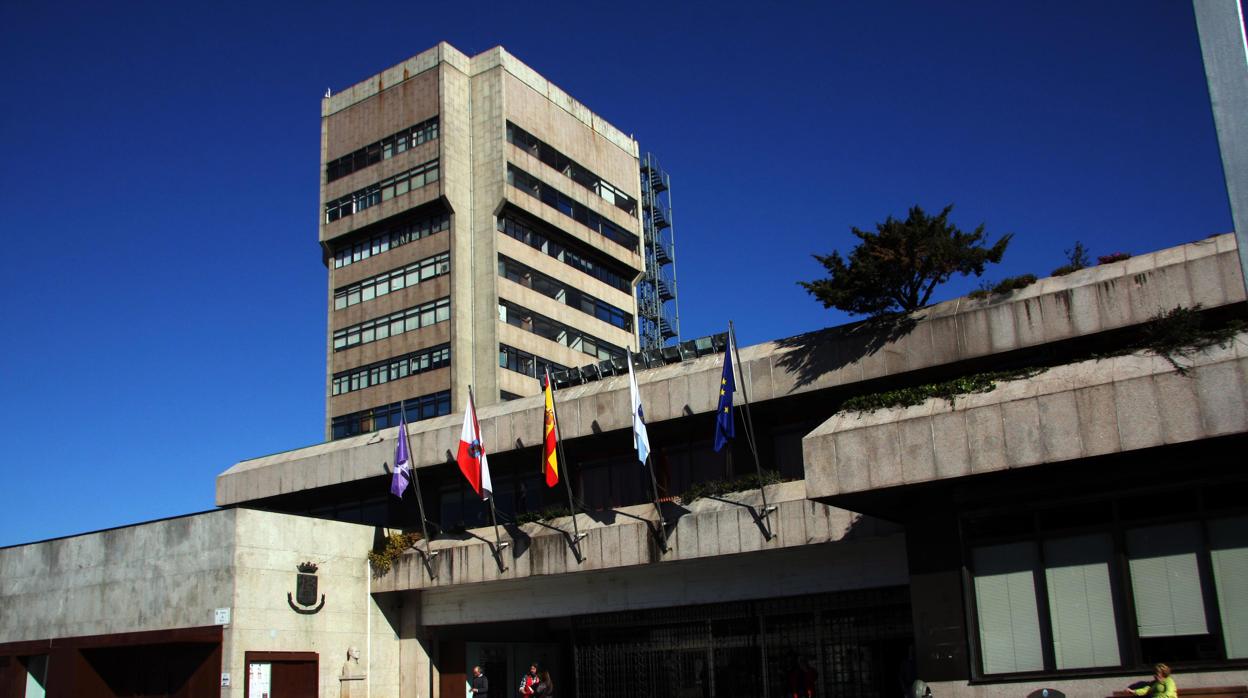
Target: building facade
{"x":1071,"y":515}
{"x":478,"y":225}
{"x":1061,"y":529}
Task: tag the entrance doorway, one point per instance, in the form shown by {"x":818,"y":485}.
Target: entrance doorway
{"x":845,"y":644}
{"x":504,"y":663}
{"x":281,"y":675}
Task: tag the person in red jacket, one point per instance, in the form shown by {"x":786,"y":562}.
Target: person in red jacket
{"x":528,"y":681}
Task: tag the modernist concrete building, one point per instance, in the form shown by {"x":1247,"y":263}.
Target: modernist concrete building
{"x":1063,"y":530}
{"x":478,"y":225}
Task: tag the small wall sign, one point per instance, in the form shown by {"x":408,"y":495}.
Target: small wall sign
{"x":225,"y":679}
{"x":221,"y":616}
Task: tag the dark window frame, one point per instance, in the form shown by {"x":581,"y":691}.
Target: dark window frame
{"x":1131,"y":653}
{"x":571,"y":169}
{"x":552,"y":197}
{"x":384,"y":149}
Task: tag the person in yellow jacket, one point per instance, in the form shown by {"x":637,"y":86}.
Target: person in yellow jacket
{"x":1162,"y":685}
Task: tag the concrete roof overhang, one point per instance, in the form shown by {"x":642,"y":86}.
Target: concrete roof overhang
{"x":1074,"y":412}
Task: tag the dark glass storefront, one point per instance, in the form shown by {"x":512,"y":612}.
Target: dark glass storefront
{"x":845,"y":644}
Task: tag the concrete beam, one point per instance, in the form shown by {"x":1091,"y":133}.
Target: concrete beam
{"x":623,"y":538}
{"x":814,"y":569}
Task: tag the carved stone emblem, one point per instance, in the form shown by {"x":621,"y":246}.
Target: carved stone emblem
{"x":305,"y":591}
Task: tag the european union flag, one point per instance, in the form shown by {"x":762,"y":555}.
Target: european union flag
{"x":724,"y":423}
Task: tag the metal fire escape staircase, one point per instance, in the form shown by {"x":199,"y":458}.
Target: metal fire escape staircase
{"x":657,"y":313}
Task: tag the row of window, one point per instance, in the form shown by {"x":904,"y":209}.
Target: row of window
{"x":392,"y":369}
{"x":561,"y":202}
{"x":386,"y":189}
{"x":370,"y":420}
{"x":391,"y":238}
{"x":546,"y":328}
{"x":569,"y":167}
{"x":523,"y":362}
{"x":1070,"y":603}
{"x":393,"y":324}
{"x":383,"y":149}
{"x":395,"y":280}
{"x":579,"y":261}
{"x":512,"y":270}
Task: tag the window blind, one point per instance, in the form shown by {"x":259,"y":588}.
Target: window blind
{"x":1229,"y":551}
{"x":1081,"y":603}
{"x":1166,"y":580}
{"x":1005,"y":598}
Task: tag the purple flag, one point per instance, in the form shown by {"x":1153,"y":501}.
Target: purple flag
{"x":402,"y":471}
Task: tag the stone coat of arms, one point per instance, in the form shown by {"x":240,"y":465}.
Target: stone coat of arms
{"x":305,"y":591}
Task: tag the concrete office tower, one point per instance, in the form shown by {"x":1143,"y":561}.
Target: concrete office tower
{"x":478,"y":225}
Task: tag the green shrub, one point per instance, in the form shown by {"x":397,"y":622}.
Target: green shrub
{"x":1013,"y":283}
{"x":715,"y":488}
{"x":948,"y":390}
{"x":396,"y":543}
{"x":1113,"y":257}
{"x":546,"y":514}
{"x":1076,"y":259}
{"x":1180,"y":333}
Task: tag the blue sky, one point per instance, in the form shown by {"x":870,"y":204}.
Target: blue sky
{"x":164,"y":293}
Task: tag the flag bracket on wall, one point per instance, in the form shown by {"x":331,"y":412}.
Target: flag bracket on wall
{"x":498,"y":547}
{"x":427,"y":557}
{"x":575,"y":542}
{"x":764,"y":519}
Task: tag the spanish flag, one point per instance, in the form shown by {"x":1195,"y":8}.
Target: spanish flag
{"x":550,"y":463}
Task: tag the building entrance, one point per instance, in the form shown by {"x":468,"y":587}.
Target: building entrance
{"x":504,"y":663}
{"x":281,"y":675}
{"x":845,"y":644}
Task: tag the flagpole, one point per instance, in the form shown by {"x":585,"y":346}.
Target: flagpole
{"x":420,"y":500}
{"x":576,"y":529}
{"x":639,"y":430}
{"x":498,"y":541}
{"x":749,"y":422}
{"x":654,"y":482}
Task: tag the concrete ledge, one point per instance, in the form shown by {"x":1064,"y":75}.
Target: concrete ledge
{"x":1074,"y":411}
{"x":1086,"y":302}
{"x":710,"y":527}
{"x":864,"y":563}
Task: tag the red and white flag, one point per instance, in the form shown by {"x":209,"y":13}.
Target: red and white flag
{"x":471,"y":456}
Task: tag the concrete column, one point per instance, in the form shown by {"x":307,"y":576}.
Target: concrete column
{"x":417,"y":672}
{"x":1220,"y":24}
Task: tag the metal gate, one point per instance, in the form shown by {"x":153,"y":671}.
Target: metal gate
{"x":846,"y":644}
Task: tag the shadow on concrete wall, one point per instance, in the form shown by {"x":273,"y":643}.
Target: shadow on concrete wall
{"x":814,"y":354}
